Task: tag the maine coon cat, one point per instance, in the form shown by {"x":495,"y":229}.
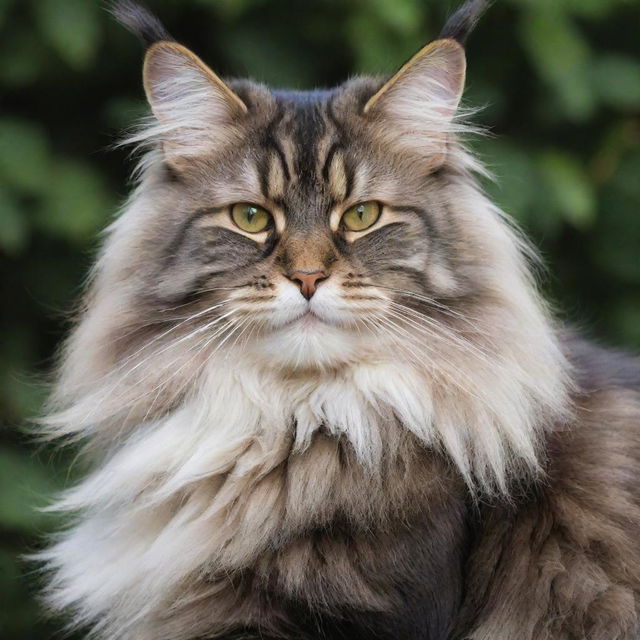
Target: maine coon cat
{"x":320,"y":393}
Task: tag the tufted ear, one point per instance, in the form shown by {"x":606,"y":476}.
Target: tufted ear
{"x":196,"y":112}
{"x":417,"y":106}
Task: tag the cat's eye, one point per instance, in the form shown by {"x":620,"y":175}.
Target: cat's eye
{"x":362,"y":215}
{"x":250,"y":217}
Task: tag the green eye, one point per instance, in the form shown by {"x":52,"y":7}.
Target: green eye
{"x":250,"y":217}
{"x":362,"y":215}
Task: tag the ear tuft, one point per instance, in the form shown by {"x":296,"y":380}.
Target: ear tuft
{"x":463,"y":21}
{"x":140,"y":21}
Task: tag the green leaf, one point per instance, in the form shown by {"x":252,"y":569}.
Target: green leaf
{"x":617,"y":81}
{"x":14,"y":229}
{"x":568,"y":188}
{"x":72,"y":28}
{"x":77,"y":203}
{"x":24,"y":155}
{"x":561,"y":57}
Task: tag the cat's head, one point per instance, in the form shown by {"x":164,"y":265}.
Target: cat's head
{"x":304,"y":219}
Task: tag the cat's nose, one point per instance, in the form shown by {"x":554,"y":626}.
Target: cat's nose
{"x":308,"y":281}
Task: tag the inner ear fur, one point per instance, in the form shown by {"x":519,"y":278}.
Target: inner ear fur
{"x":169,"y":58}
{"x":195,"y":110}
{"x":420,"y":101}
{"x":442,"y":60}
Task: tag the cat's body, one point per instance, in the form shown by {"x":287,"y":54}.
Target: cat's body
{"x":343,"y":411}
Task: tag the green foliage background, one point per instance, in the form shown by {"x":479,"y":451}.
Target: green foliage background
{"x":559,"y":79}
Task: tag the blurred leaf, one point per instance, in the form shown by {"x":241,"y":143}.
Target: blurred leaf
{"x":231,"y":9}
{"x":22,"y":399}
{"x":72,"y":28}
{"x":569,"y":188}
{"x":267,"y":59}
{"x":122,"y":113}
{"x":22,"y":58}
{"x":625,"y":316}
{"x":514,"y":188}
{"x":584,"y":8}
{"x":617,"y":81}
{"x":615,"y":246}
{"x":364,"y":31}
{"x":24,"y":154}
{"x":14,"y":230}
{"x":4,"y":8}
{"x":591,"y":8}
{"x":24,"y":486}
{"x":561,"y":57}
{"x":619,"y":137}
{"x":77,"y":203}
{"x":404,"y":16}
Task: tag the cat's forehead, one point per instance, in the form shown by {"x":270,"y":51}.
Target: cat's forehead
{"x":301,"y":151}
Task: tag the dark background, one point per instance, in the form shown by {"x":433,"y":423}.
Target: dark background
{"x":559,"y":80}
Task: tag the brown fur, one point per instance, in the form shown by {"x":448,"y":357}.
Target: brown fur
{"x":564,"y":562}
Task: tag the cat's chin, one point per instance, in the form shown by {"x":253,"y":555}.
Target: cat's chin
{"x":309,"y":341}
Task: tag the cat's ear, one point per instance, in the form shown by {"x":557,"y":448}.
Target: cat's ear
{"x":416,"y":107}
{"x":195,"y":110}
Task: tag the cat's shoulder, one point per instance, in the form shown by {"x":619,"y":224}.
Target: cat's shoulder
{"x":597,"y":368}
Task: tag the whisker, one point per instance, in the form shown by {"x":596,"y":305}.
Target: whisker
{"x":440,"y":306}
{"x":446,"y":333}
{"x":163,"y":385}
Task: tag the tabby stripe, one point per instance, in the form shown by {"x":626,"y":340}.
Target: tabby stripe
{"x":425,"y":217}
{"x":176,"y":243}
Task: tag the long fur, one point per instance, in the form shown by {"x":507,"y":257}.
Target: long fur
{"x":367,"y":464}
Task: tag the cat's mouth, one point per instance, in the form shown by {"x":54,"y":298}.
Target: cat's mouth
{"x":309,"y":319}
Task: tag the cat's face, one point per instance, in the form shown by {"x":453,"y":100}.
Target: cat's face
{"x":303,"y":221}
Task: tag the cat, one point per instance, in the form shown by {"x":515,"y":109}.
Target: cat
{"x":320,"y":392}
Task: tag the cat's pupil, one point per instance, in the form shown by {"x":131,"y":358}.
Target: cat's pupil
{"x":360,"y":211}
{"x":251,"y":212}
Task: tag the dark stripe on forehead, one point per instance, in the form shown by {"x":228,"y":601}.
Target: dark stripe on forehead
{"x":337,"y":153}
{"x":339,"y":127}
{"x":327,"y":163}
{"x":171,"y":251}
{"x":341,"y":144}
{"x":310,"y":128}
{"x":424,"y":216}
{"x":272,"y":145}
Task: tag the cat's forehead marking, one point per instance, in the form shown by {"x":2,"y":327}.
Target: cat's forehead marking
{"x":306,"y":168}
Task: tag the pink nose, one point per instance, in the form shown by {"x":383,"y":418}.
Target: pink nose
{"x":308,"y":281}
